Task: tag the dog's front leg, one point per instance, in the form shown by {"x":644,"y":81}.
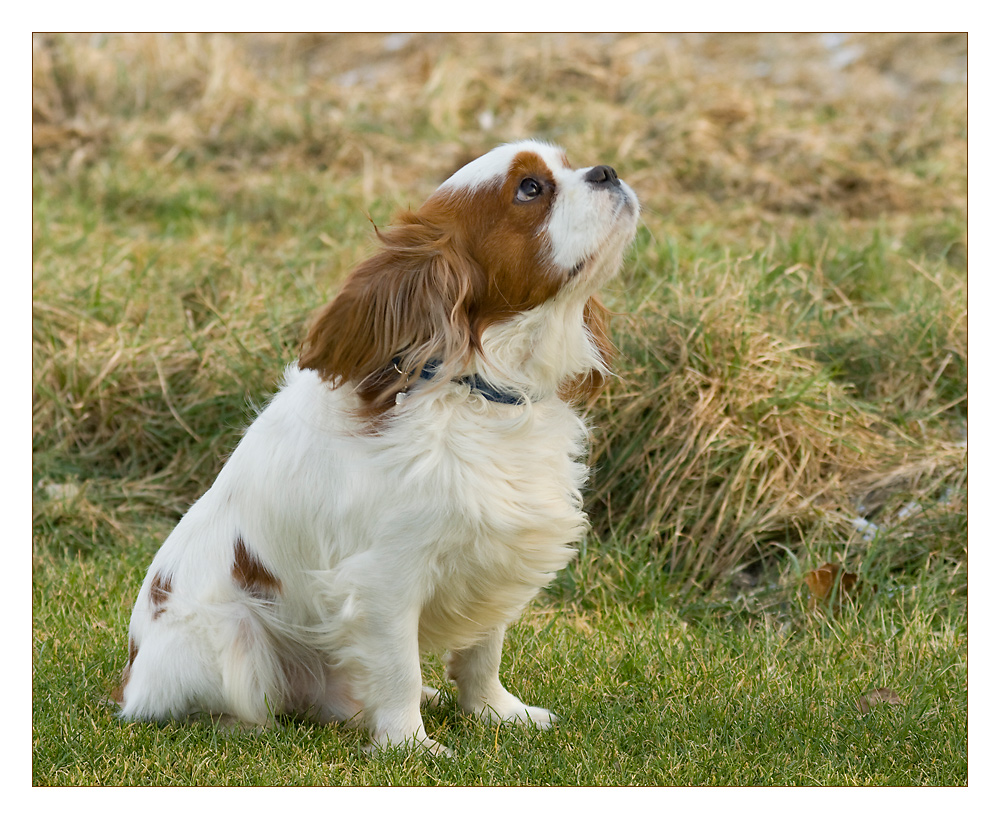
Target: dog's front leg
{"x":391,"y":690}
{"x":476,"y":672}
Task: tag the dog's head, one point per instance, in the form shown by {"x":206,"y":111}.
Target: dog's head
{"x":511,"y":232}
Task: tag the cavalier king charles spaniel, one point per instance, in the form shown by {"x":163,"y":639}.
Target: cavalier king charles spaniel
{"x":415,"y":481}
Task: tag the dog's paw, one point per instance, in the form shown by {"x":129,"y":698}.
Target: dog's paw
{"x":519,"y":714}
{"x":539,"y":717}
{"x":425,"y":744}
{"x":430,"y":697}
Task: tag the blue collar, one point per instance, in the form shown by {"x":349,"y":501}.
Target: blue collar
{"x":476,"y":383}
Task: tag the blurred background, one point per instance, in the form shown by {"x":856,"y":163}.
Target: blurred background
{"x":792,"y":321}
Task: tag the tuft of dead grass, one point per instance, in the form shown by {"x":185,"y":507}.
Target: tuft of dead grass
{"x":723,"y":439}
{"x":740,"y":428}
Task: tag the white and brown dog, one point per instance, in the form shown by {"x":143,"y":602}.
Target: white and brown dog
{"x":415,"y":481}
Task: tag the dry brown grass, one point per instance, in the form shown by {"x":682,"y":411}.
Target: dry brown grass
{"x":723,"y":444}
{"x":796,"y":334}
{"x":770,"y":121}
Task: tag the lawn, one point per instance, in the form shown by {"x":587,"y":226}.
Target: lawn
{"x":648,"y":694}
{"x":791,"y":386}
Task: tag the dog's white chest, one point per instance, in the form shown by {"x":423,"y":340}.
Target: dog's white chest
{"x":497,"y":512}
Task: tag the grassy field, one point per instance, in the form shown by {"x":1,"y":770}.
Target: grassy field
{"x":791,"y":391}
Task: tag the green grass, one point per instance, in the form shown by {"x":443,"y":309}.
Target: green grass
{"x":720,"y":692}
{"x":792,"y":327}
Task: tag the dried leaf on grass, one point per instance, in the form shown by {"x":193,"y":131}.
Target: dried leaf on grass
{"x":872,"y":698}
{"x":830,"y":584}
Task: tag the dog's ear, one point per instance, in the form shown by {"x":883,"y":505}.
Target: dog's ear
{"x":404,"y":307}
{"x":588,"y":386}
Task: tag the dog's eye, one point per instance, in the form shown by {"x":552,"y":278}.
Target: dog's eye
{"x":528,"y":189}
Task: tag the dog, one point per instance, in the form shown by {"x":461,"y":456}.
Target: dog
{"x":415,"y":481}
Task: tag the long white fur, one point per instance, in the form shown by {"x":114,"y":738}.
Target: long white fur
{"x":432,"y":534}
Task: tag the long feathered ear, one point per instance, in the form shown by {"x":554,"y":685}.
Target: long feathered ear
{"x":407,"y":305}
{"x":588,"y":386}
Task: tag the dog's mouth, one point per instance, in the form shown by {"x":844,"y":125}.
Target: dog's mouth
{"x":625,"y":206}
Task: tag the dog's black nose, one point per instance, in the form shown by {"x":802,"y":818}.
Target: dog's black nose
{"x":602,"y":176}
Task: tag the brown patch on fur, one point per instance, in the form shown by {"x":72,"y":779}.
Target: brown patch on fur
{"x":447,"y":272}
{"x":118,"y":695}
{"x":251,"y":575}
{"x":159,"y":591}
{"x":588,"y":386}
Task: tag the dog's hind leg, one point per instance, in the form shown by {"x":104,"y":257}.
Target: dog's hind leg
{"x":254,"y":684}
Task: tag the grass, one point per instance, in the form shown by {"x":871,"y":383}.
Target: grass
{"x":647,"y":695}
{"x":792,"y":382}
